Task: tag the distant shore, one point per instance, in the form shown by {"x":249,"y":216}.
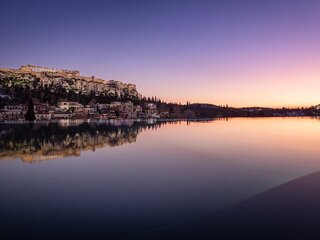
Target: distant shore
{"x":149,"y":120}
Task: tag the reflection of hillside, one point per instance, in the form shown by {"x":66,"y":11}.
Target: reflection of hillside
{"x":45,"y":141}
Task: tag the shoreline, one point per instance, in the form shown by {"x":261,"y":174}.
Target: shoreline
{"x":145,"y":119}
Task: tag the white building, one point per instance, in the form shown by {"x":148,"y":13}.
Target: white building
{"x":151,"y":111}
{"x":14,"y":108}
{"x":43,"y":115}
{"x":62,"y":115}
{"x":13,"y":112}
{"x":38,"y":69}
{"x":74,"y":106}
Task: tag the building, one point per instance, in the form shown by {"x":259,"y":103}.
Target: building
{"x":43,"y":115}
{"x":128,"y":106}
{"x":88,"y":109}
{"x":38,"y":69}
{"x":39,"y":106}
{"x":13,"y":112}
{"x":164,"y":114}
{"x":112,"y":114}
{"x":151,"y":111}
{"x":115,"y":104}
{"x":14,"y":108}
{"x":141,"y":115}
{"x":73,"y":106}
{"x":62,"y":115}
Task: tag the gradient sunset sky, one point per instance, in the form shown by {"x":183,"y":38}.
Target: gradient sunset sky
{"x":240,"y":53}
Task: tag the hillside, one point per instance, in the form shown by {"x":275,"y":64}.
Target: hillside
{"x":23,"y":83}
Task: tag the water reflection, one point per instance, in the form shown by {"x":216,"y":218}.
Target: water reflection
{"x":44,"y":141}
{"x":181,"y":172}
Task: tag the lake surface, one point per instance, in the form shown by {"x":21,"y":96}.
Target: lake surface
{"x":122,"y":180}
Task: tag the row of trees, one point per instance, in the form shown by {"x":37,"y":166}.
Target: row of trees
{"x":54,"y":94}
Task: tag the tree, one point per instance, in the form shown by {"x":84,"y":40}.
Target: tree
{"x":30,"y":115}
{"x":189,"y":114}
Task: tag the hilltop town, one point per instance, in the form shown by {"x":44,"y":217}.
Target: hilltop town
{"x":32,"y":77}
{"x":50,"y":93}
{"x":65,"y":94}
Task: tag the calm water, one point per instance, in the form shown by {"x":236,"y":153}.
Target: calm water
{"x":121,"y":179}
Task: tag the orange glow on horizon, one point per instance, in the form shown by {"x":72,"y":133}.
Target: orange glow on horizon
{"x":295,"y":86}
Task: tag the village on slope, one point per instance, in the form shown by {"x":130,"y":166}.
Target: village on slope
{"x":42,"y":93}
{"x":32,"y":78}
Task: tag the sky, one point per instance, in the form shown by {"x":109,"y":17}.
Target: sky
{"x":240,"y":53}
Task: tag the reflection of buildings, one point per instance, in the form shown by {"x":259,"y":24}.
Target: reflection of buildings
{"x":53,"y":140}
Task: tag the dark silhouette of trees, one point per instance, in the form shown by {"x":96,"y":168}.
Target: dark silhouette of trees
{"x":30,"y":115}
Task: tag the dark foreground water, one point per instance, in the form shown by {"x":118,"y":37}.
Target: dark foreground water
{"x":239,"y":178}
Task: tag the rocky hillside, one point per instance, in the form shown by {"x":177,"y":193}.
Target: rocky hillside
{"x":12,"y":81}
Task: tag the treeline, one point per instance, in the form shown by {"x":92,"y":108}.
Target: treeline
{"x":202,"y":110}
{"x":21,"y":93}
{"x":53,"y":94}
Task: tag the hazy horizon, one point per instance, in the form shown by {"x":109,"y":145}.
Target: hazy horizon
{"x":248,"y":53}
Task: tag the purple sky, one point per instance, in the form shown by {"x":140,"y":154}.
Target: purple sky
{"x":239,"y":53}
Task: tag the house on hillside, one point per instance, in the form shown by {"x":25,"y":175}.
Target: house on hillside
{"x":62,"y":115}
{"x":73,"y":106}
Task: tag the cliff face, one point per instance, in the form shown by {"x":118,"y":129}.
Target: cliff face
{"x":79,"y":84}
